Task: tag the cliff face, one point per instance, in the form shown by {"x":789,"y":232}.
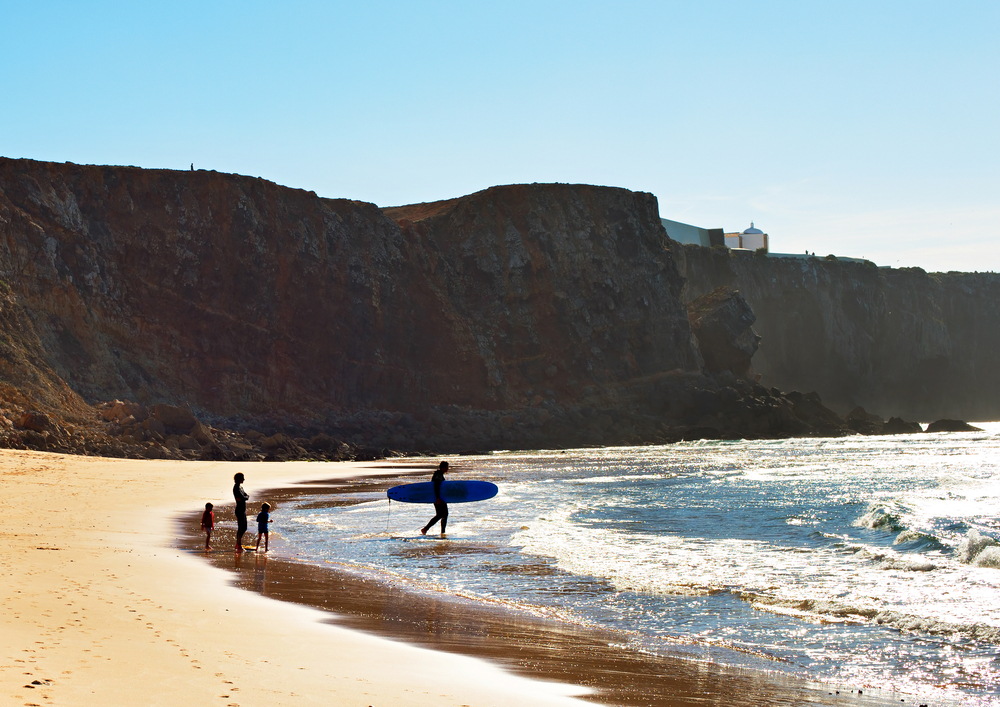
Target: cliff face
{"x":239,"y":297}
{"x":520,"y":316}
{"x":228,"y":293}
{"x":897,"y":342}
{"x":565,"y":292}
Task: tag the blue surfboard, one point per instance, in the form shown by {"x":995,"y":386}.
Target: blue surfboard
{"x":451,"y":492}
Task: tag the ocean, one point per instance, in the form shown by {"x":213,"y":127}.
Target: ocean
{"x":859,"y":562}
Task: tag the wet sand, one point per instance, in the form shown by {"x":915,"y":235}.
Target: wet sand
{"x":546,"y":650}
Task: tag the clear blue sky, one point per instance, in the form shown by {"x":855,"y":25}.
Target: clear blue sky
{"x":865,"y":129}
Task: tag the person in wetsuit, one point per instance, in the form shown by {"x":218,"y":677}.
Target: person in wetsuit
{"x":241,"y":497}
{"x":440,"y":507}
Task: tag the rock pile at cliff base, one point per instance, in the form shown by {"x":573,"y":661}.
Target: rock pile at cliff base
{"x":709,"y":408}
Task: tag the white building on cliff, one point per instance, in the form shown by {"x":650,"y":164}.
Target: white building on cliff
{"x":751,"y":239}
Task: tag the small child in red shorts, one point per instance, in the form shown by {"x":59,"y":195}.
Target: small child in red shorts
{"x":207,"y":523}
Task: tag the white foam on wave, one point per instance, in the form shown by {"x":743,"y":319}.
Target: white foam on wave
{"x":989,"y":557}
{"x":979,"y":550}
{"x":326,"y":521}
{"x":910,"y":591}
{"x":628,"y":561}
{"x":882,"y":516}
{"x":814,"y":608}
{"x":838,"y":612}
{"x":921,"y":624}
{"x":907,"y":564}
{"x":885,"y":559}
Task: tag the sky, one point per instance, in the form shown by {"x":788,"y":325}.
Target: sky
{"x":861,"y":129}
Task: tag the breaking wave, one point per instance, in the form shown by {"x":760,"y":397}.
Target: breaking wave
{"x":834,"y":611}
{"x":915,"y":541}
{"x":882,"y":517}
{"x":979,"y":550}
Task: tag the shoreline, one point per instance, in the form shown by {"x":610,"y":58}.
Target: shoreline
{"x":531,"y":646}
{"x":104,"y":609}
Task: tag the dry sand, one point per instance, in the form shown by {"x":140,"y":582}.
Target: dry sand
{"x":99,"y":608}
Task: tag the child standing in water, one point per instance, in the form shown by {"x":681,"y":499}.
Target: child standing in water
{"x":440,"y":507}
{"x":207,"y":523}
{"x":263,"y":518}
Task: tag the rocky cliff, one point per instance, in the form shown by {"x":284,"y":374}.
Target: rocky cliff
{"x":895,"y":341}
{"x":236,"y":296}
{"x":229,"y":294}
{"x":246,"y":301}
{"x":520,"y":316}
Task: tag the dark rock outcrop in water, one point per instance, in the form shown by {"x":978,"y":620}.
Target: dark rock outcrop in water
{"x":951,"y":426}
{"x":921,"y":345}
{"x":226,"y":317}
{"x":899,"y":426}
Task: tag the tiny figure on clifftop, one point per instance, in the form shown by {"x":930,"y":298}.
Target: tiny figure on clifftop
{"x":207,"y":523}
{"x":241,"y":497}
{"x":440,"y":507}
{"x":263,"y":518}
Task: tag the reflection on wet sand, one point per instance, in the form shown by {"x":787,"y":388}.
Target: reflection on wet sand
{"x":545,"y":649}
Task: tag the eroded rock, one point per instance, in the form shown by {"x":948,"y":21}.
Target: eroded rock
{"x":722,"y":323}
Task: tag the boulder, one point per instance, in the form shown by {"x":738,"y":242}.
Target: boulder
{"x":187,"y":442}
{"x":202,"y":433}
{"x":110,"y":410}
{"x":213,"y":452}
{"x":951,"y":426}
{"x":35,"y":421}
{"x":274,"y":442}
{"x":322,"y":442}
{"x":35,"y":440}
{"x":174,"y":417}
{"x":154,"y":426}
{"x":119,"y":411}
{"x":863,"y":422}
{"x":899,"y":426}
{"x":859,"y":413}
{"x":809,"y":409}
{"x":155,"y":451}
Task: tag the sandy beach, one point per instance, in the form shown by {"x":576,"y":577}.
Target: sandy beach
{"x":109,"y":602}
{"x":101,"y":609}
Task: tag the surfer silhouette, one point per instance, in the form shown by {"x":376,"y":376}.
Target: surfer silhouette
{"x":440,"y":507}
